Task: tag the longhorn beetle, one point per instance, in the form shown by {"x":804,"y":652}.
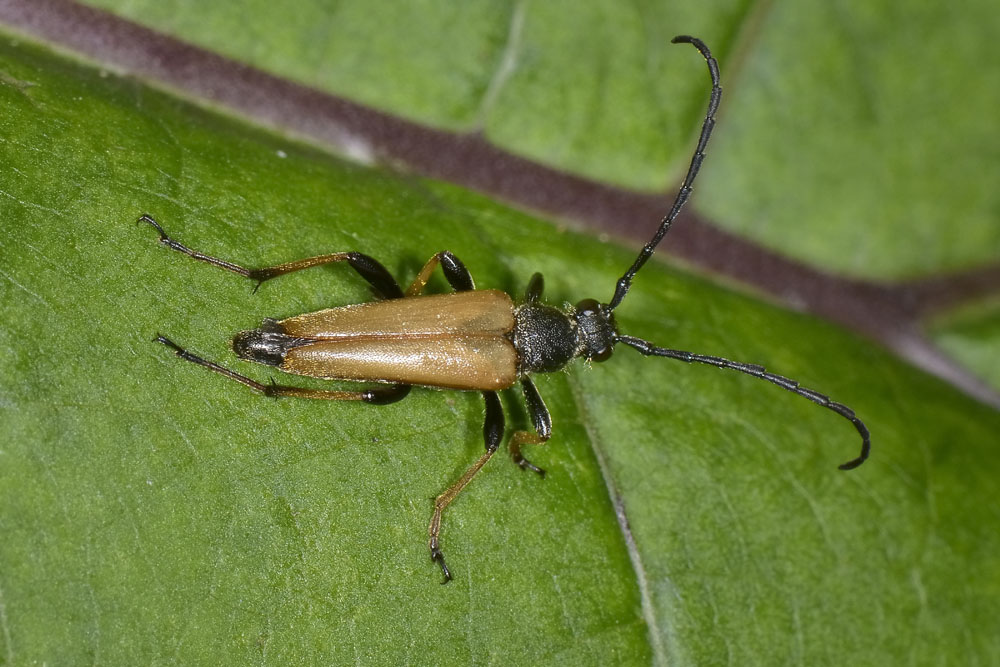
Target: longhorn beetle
{"x":469,"y":339}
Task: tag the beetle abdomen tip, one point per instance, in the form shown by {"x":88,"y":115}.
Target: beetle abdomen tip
{"x":264,"y":347}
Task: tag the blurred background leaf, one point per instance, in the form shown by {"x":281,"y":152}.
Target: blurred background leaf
{"x":856,"y":137}
{"x":971,"y":334}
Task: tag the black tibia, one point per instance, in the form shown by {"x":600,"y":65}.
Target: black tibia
{"x":456,"y":273}
{"x":492,"y":434}
{"x":756,"y":371}
{"x":385,"y":395}
{"x":540,"y":419}
{"x":377,"y":395}
{"x":493,"y":424}
{"x":535,"y":288}
{"x":377,"y":275}
{"x":367,"y":267}
{"x":454,"y":270}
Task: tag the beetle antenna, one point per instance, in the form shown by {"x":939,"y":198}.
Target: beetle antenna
{"x":756,"y":371}
{"x":625,"y":282}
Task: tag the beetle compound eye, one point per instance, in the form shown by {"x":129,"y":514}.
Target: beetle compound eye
{"x":589,"y":308}
{"x":602,"y":355}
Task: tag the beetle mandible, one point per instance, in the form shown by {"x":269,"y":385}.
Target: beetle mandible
{"x":469,"y":339}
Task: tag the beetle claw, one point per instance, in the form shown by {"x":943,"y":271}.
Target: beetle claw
{"x":528,"y":465}
{"x":438,"y":557}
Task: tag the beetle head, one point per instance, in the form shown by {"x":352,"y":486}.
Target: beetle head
{"x":596,"y":330}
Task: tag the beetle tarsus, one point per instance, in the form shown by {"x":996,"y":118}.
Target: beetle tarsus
{"x":543,"y":426}
{"x":165,"y":238}
{"x":178,"y":350}
{"x":166,"y":341}
{"x":272,"y":390}
{"x":149,"y":220}
{"x":438,"y":557}
{"x":528,"y":465}
{"x":181,"y":352}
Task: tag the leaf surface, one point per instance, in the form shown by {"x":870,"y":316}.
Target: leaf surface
{"x":155,"y":512}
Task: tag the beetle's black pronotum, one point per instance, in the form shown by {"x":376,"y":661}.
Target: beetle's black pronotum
{"x":468,"y":339}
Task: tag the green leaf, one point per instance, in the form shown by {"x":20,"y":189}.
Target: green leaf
{"x":521,"y":73}
{"x":154,"y":512}
{"x":859,"y":138}
{"x":972,"y":336}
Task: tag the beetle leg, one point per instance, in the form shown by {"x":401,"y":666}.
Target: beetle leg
{"x":540,"y":419}
{"x":367,"y":267}
{"x":492,"y":433}
{"x":535,"y":287}
{"x":376,"y":395}
{"x":454,"y":271}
